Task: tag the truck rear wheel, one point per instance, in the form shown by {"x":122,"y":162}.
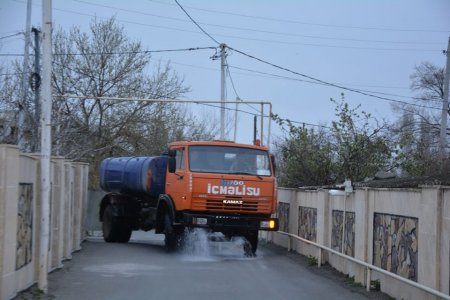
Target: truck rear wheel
{"x":114,"y":230}
{"x":125,"y":232}
{"x":251,"y":244}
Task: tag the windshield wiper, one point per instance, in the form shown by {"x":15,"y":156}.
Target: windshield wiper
{"x":247,"y":173}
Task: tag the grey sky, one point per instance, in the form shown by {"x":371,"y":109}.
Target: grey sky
{"x":369,"y":45}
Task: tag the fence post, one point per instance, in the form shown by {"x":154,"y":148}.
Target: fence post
{"x":289,"y":243}
{"x":368,"y":280}
{"x":319,"y":260}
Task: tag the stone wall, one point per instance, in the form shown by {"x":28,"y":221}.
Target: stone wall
{"x":283,"y":216}
{"x":395,"y":244}
{"x":307,"y":222}
{"x":24,"y":225}
{"x":338,"y":231}
{"x":20,"y":214}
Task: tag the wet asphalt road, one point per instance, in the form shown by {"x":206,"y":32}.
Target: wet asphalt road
{"x":142,"y":269}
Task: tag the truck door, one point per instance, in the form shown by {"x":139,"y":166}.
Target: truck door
{"x":176,"y":183}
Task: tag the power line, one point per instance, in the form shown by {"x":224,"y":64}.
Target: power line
{"x":193,"y":21}
{"x":138,"y":52}
{"x":253,"y":29}
{"x":327,"y":83}
{"x":250,"y":38}
{"x":305,"y":23}
{"x":10,"y":74}
{"x":234,"y":89}
{"x":9,"y":54}
{"x":11,"y":35}
{"x":276,"y":76}
{"x":266,"y":40}
{"x":326,"y":45}
{"x":231,"y":78}
{"x":125,"y":52}
{"x":122,"y":21}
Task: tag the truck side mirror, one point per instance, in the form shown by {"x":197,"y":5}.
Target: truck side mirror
{"x":172,"y":163}
{"x":172,"y":153}
{"x":274,"y":165}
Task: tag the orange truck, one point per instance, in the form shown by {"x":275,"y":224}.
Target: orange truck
{"x":218,"y":185}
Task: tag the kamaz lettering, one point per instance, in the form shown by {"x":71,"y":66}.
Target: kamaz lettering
{"x":229,"y":201}
{"x":240,"y":190}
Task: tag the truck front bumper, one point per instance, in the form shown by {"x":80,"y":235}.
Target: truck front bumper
{"x":219,"y":222}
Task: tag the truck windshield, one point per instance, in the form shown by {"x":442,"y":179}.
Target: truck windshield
{"x":229,"y":160}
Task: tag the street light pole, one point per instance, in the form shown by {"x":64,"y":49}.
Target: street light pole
{"x":444,"y":113}
{"x":46,"y":145}
{"x":222,"y":91}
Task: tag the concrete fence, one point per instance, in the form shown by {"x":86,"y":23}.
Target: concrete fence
{"x":403,"y":231}
{"x":20,"y":211}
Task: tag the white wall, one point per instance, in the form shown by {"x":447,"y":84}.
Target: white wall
{"x":19,"y":238}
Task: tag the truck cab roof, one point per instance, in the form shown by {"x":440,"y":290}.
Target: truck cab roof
{"x":216,"y":143}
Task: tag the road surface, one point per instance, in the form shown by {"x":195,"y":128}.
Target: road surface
{"x":142,"y":269}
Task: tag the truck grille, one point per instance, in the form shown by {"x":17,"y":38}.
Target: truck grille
{"x":218,"y":205}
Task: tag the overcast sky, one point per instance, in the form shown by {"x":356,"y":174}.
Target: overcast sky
{"x":366,"y":45}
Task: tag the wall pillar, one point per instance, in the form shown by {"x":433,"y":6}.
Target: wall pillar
{"x":9,"y":193}
{"x":429,"y":234}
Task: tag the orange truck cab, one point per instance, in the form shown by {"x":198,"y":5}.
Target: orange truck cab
{"x":219,"y":185}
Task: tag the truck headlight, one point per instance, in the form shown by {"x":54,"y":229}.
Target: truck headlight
{"x":269,"y":224}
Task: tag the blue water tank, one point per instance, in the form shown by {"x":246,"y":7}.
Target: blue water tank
{"x":134,"y":175}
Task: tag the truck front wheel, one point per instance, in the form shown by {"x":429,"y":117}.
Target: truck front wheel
{"x":251,"y":244}
{"x":173,"y":236}
{"x":114,"y":230}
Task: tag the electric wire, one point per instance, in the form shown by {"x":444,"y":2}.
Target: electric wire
{"x":328,"y":83}
{"x":11,"y":35}
{"x":125,"y":52}
{"x":193,"y":21}
{"x":307,"y":76}
{"x":11,"y":74}
{"x":251,"y":38}
{"x":11,"y":54}
{"x":256,"y":30}
{"x":305,"y":23}
{"x":234,"y":88}
{"x":276,"y":76}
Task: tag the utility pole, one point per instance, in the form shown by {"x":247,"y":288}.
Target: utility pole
{"x":46,"y":146}
{"x":35,"y":84}
{"x":222,"y":90}
{"x":444,"y":113}
{"x":24,"y":91}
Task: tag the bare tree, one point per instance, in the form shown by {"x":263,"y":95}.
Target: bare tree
{"x":8,"y":111}
{"x":418,"y":128}
{"x":104,"y":62}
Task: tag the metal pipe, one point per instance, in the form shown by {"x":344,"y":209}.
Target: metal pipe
{"x":270,"y":122}
{"x":157,"y":100}
{"x":262,"y":124}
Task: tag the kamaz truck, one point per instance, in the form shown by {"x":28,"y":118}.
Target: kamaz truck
{"x":218,"y":185}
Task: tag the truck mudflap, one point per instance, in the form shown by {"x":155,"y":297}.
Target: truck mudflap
{"x":222,"y":222}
